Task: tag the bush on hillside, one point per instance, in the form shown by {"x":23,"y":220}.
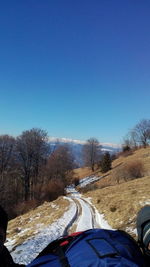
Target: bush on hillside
{"x":50,"y":191}
{"x":132,"y":170}
{"x":89,"y":187}
{"x":125,"y":153}
{"x":47,"y":192}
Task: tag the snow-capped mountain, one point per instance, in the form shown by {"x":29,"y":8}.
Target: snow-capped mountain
{"x":82,"y":142}
{"x":77,"y":146}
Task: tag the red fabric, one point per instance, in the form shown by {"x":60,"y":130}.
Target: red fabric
{"x":66,"y":242}
{"x":77,"y":233}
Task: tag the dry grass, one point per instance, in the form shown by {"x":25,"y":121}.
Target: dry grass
{"x":40,"y":217}
{"x":141,"y":155}
{"x":83,"y":172}
{"x":121,"y":202}
{"x":129,"y":171}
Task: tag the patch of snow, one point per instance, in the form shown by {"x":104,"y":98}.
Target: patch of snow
{"x":143,"y":203}
{"x":10,"y":243}
{"x":85,"y":220}
{"x":71,"y":190}
{"x":22,"y":231}
{"x":131,"y":230}
{"x":88,"y":180}
{"x":100,"y":218}
{"x":54,"y":206}
{"x":102,"y":222}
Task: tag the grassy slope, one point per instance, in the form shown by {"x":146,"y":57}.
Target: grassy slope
{"x":82,"y":172}
{"x":25,"y":226}
{"x":121,"y":202}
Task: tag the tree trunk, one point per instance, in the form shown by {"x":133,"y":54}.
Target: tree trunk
{"x":27,"y":188}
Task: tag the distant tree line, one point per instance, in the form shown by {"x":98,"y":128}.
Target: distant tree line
{"x":32,"y":169}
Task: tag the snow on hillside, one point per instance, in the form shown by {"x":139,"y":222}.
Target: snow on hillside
{"x":88,"y":180}
{"x":81,"y":142}
{"x":26,"y":252}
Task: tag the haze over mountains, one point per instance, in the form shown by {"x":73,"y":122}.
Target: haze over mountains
{"x":77,"y":146}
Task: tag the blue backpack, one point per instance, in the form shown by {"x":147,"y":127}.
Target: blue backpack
{"x":92,"y":248}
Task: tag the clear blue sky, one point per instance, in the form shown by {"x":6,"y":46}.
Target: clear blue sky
{"x":77,"y":69}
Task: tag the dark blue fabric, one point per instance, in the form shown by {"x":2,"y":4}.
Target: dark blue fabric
{"x":97,"y":248}
{"x":47,"y":260}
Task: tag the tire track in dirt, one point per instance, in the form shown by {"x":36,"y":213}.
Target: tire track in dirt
{"x":85,"y":217}
{"x":69,"y":228}
{"x":95,"y":224}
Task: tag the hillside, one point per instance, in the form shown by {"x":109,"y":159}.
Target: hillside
{"x":113,"y":199}
{"x":118,"y":200}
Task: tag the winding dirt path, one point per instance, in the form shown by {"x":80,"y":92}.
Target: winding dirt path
{"x":85,"y":214}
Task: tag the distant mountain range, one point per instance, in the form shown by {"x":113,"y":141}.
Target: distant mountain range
{"x":77,"y":146}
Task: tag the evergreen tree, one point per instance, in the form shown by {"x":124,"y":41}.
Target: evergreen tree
{"x":106,"y":162}
{"x":126,"y":148}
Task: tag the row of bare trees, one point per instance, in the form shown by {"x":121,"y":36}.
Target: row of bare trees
{"x":139,"y":136}
{"x":28,"y":162}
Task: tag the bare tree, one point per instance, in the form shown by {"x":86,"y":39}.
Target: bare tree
{"x":91,"y":152}
{"x":10,"y":184}
{"x":133,"y":139}
{"x":142,"y":132}
{"x":60,"y":164}
{"x":33,"y":151}
{"x":7,"y":144}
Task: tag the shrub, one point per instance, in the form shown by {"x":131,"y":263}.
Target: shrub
{"x":89,"y":187}
{"x":132,"y":170}
{"x":126,"y":148}
{"x":113,"y":208}
{"x":135,"y":169}
{"x":52,"y":190}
